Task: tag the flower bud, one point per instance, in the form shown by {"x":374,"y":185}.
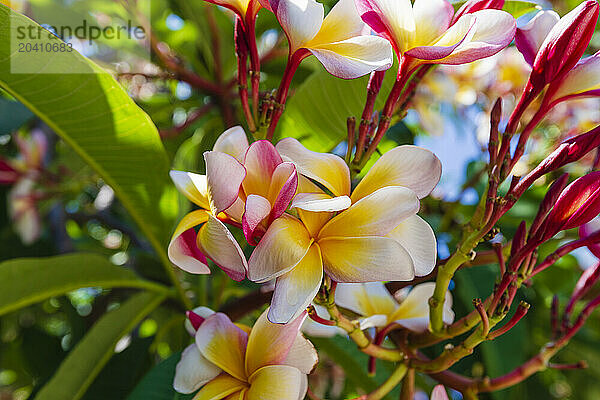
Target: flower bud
{"x":565,"y":44}
{"x":578,"y":204}
{"x":195,"y":319}
{"x":549,"y":200}
{"x":530,"y":37}
{"x":589,"y":229}
{"x":519,"y":239}
{"x":8,"y":175}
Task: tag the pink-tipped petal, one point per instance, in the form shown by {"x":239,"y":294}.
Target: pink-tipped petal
{"x":233,"y":142}
{"x":439,"y":393}
{"x":494,"y":30}
{"x":224,"y":175}
{"x":283,"y":187}
{"x":327,"y":169}
{"x":261,"y":161}
{"x":219,"y":244}
{"x":410,"y":166}
{"x":257,"y":209}
{"x":183,"y":250}
{"x":530,"y":37}
{"x":462,"y":31}
{"x":392,"y":19}
{"x":281,"y":248}
{"x":224,"y":344}
{"x":295,"y":290}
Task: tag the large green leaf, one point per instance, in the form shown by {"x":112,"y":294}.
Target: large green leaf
{"x":88,"y":109}
{"x":24,"y":281}
{"x":158,"y":383}
{"x":86,"y":360}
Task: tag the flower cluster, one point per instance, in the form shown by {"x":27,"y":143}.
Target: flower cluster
{"x":327,"y":234}
{"x":304,"y":219}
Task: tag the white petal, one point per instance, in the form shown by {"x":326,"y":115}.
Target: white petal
{"x":366,"y":299}
{"x":233,"y":142}
{"x":320,"y":202}
{"x":193,"y":371}
{"x":354,"y":57}
{"x":300,"y":20}
{"x":417,"y":237}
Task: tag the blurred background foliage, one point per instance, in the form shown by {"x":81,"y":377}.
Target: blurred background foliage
{"x":78,"y":212}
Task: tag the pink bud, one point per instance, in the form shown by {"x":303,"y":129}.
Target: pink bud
{"x":565,"y":44}
{"x":530,"y":37}
{"x":195,"y":319}
{"x":476,"y":5}
{"x":8,"y":175}
{"x":578,"y":204}
{"x":549,"y":200}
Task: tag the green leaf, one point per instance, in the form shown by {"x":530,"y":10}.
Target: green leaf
{"x":88,"y":357}
{"x":25,"y":281}
{"x":158,"y":383}
{"x":92,"y":113}
{"x":317,"y":113}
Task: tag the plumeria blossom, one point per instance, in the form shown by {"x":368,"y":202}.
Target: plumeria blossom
{"x":439,"y":393}
{"x":580,"y":82}
{"x":247,"y":184}
{"x":269,"y":185}
{"x":425,"y":33}
{"x":554,"y":46}
{"x":339,"y":41}
{"x":23,"y":210}
{"x":379,"y":308}
{"x":233,"y":361}
{"x":378,"y":237}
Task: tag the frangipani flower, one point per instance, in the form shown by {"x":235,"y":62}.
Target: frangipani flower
{"x":249,"y":184}
{"x":187,"y":249}
{"x":379,"y":308}
{"x":555,"y":46}
{"x":233,"y":361}
{"x":339,"y":41}
{"x":23,"y":210}
{"x":269,"y":185}
{"x":424,"y":32}
{"x":582,"y":81}
{"x":530,"y":37}
{"x":439,"y":393}
{"x":379,"y":237}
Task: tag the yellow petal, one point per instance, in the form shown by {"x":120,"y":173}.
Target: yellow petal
{"x":275,"y":382}
{"x":223,"y":344}
{"x":295,"y":290}
{"x":281,"y":248}
{"x":366,"y":259}
{"x":366,"y":299}
{"x":181,"y":252}
{"x":417,"y":237}
{"x":220,"y":245}
{"x":413,"y":312}
{"x":410,"y":166}
{"x":193,"y":186}
{"x":269,"y":343}
{"x":220,"y":387}
{"x":375,"y":215}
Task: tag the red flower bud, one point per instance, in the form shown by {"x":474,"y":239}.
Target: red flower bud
{"x":565,"y":44}
{"x":8,"y":175}
{"x":519,"y":239}
{"x":476,"y":5}
{"x":578,"y":204}
{"x":195,"y":319}
{"x":549,"y":200}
